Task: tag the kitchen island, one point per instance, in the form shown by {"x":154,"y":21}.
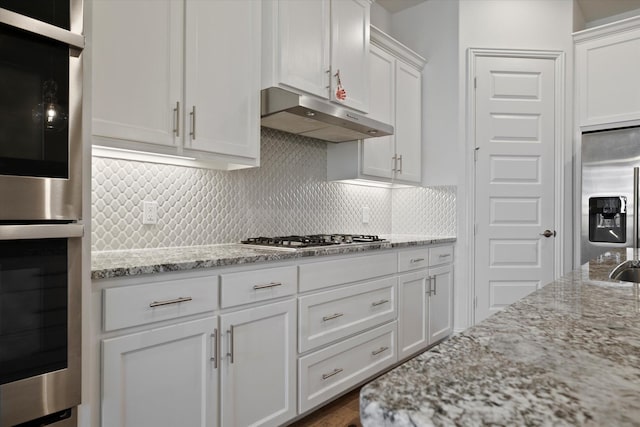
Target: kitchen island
{"x":568,"y":354}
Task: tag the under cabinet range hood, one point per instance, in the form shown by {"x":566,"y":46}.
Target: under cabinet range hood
{"x":304,"y":115}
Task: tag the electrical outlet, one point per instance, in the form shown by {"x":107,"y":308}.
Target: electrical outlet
{"x":149,"y":212}
{"x":365,"y":214}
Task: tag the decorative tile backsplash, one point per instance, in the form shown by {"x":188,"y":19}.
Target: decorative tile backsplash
{"x":287,"y":194}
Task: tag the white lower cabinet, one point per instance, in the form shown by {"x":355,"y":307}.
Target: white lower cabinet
{"x":440,"y":303}
{"x":413,"y":312}
{"x":258,"y":371}
{"x":244,"y":347}
{"x":425,"y":300}
{"x":163,"y":377}
{"x":330,"y":371}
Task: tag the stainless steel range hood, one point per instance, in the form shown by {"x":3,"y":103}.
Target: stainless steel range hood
{"x":304,"y":115}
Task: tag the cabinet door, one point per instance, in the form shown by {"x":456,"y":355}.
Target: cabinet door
{"x":350,"y":51}
{"x":607,"y":69}
{"x":258,"y":379}
{"x":303,"y":28}
{"x":222,"y":82}
{"x":137,"y":69}
{"x":377,"y":153}
{"x":408,"y":131}
{"x":413,"y":315}
{"x":161,"y":377}
{"x":441,"y":303}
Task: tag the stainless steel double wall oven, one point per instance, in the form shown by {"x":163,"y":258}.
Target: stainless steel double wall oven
{"x":41,"y":227}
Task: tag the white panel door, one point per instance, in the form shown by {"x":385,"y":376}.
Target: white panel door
{"x":408,"y":132}
{"x":163,"y":377}
{"x":137,"y":69}
{"x":258,"y":378}
{"x":304,"y":28}
{"x":350,"y":51}
{"x":377,"y":153}
{"x":515,"y":140}
{"x":222,"y":85}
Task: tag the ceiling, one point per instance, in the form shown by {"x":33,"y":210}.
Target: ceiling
{"x":591,"y":9}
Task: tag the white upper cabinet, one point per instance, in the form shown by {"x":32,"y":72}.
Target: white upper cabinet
{"x":408,"y":123}
{"x":395,"y":87}
{"x":167,"y":79}
{"x":307,"y":44}
{"x":607,"y":61}
{"x":377,"y":153}
{"x":134,"y":94}
{"x":350,"y":52}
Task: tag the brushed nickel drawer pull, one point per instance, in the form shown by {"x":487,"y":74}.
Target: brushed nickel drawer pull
{"x":330,"y":374}
{"x":267,"y":286}
{"x":214,"y":352}
{"x":176,"y":129}
{"x":414,"y":260}
{"x":377,"y":303}
{"x":333,"y":316}
{"x":170,"y":301}
{"x":378,"y":351}
{"x":444,"y":255}
{"x":230,"y":352}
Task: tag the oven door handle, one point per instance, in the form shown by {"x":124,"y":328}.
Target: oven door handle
{"x":40,"y":231}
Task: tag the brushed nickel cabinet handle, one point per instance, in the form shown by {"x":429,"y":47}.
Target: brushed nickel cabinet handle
{"x":193,"y":123}
{"x":333,"y":316}
{"x":170,"y":301}
{"x":444,"y":256}
{"x":395,"y":163}
{"x":267,"y":286}
{"x":400,"y":161}
{"x":332,"y":373}
{"x":176,"y":128}
{"x":378,"y":351}
{"x":214,"y":351}
{"x":377,"y":303}
{"x":414,"y":260}
{"x":435,"y":283}
{"x":230,"y":352}
{"x":429,"y":287}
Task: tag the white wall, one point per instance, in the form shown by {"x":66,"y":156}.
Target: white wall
{"x":443,"y":31}
{"x":431,"y":29}
{"x":517,"y":24}
{"x":380,"y":18}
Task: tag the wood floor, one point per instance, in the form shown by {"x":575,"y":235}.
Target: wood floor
{"x":344,"y":412}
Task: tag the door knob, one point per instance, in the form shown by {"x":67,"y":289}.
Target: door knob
{"x":548,"y":233}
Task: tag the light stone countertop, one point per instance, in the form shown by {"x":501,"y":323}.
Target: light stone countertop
{"x":108,"y":264}
{"x":566,"y":355}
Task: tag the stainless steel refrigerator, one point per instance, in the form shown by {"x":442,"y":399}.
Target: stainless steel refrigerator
{"x":608,"y":211}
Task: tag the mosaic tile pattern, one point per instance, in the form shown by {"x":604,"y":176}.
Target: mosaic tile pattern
{"x":429,"y":211}
{"x":287,"y":194}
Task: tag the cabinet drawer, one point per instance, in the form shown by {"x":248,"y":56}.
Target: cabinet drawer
{"x":152,"y":302}
{"x":440,"y":255}
{"x":257,"y":285}
{"x":330,"y":371}
{"x":320,"y":275}
{"x":336,"y":314}
{"x":413,"y":259}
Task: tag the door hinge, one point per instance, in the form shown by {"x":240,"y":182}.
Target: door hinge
{"x":475,"y":302}
{"x":475,"y":83}
{"x":475,"y":153}
{"x":475,"y":228}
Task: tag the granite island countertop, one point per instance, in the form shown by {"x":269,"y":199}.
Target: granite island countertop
{"x":566,"y":355}
{"x":109,"y":264}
